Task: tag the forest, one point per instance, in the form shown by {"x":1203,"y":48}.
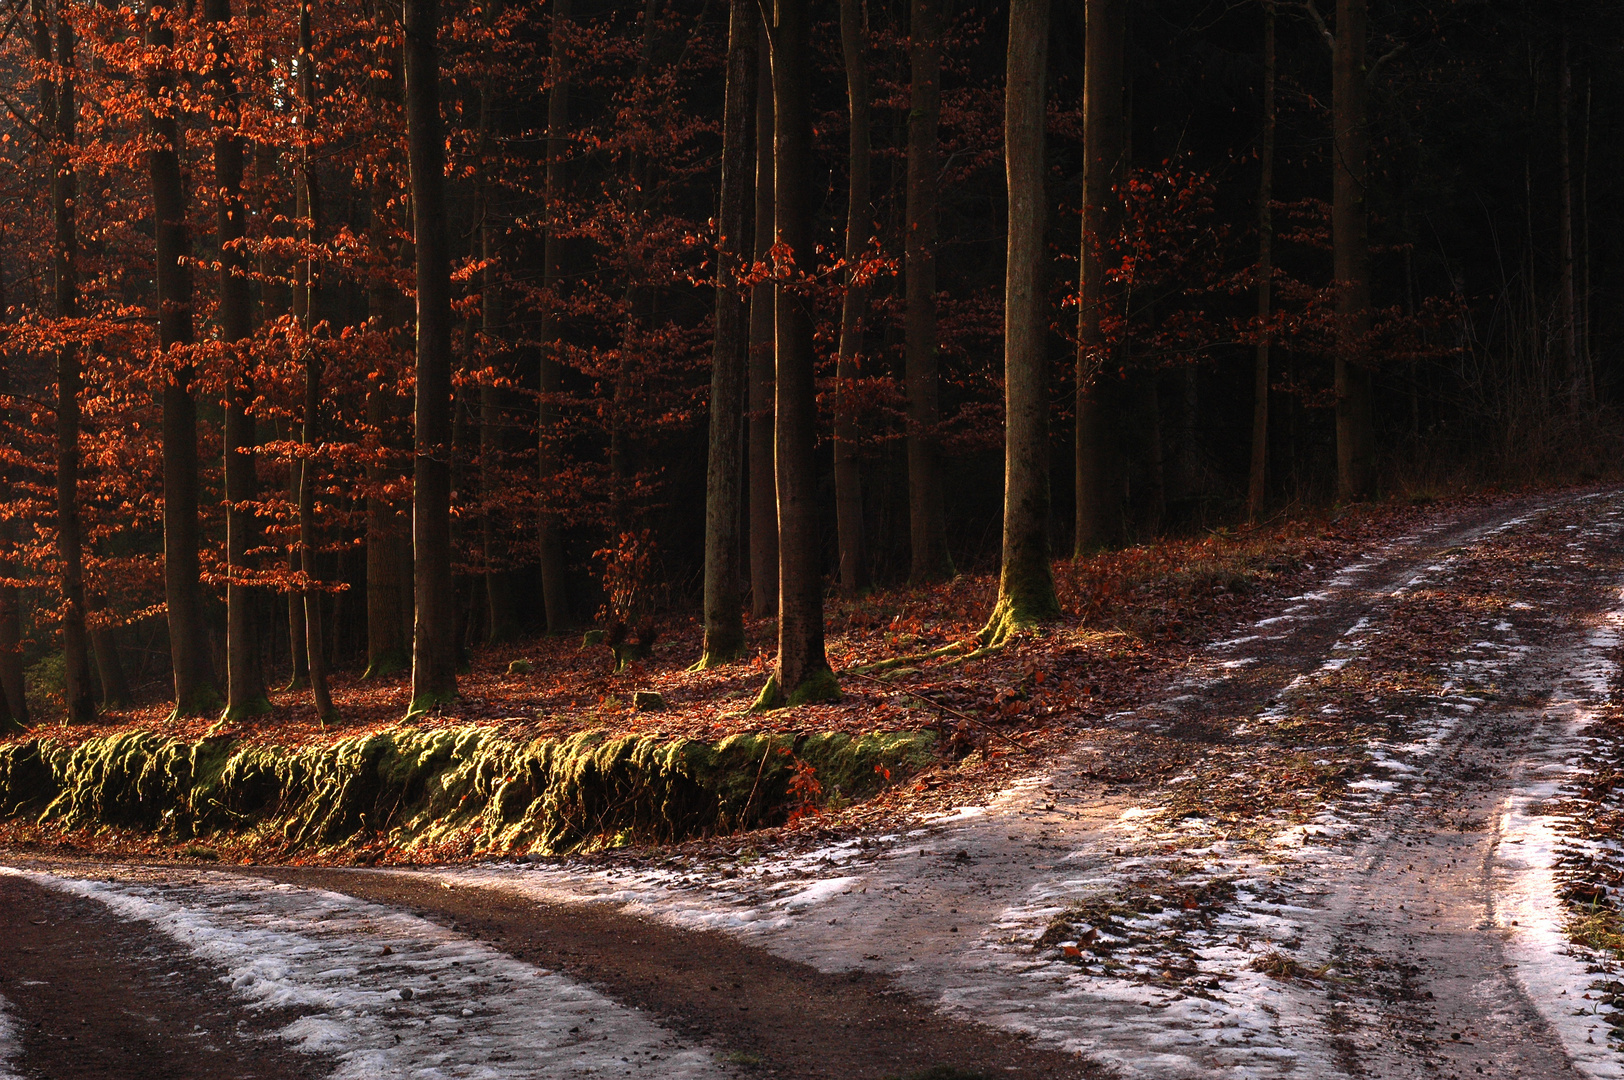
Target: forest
{"x":343,"y":340}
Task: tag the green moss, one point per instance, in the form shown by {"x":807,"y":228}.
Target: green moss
{"x":260,"y":706}
{"x":427,"y":702}
{"x":1022,"y":605}
{"x":390,"y":662}
{"x":465,"y":786}
{"x":817,"y":687}
{"x":771,"y":697}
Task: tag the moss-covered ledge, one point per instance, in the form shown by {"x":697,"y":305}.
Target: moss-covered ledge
{"x":422,"y":788}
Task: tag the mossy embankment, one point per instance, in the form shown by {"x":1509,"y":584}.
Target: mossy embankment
{"x":471,"y":788}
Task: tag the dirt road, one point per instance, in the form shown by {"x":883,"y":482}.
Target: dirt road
{"x":1354,"y":872}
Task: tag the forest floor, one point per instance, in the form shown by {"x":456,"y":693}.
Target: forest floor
{"x":1347,"y":801}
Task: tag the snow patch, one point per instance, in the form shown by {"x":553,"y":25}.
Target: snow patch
{"x":1554,"y":974}
{"x":437,"y":1005}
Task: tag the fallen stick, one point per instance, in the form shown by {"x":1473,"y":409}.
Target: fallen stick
{"x":950,"y":711}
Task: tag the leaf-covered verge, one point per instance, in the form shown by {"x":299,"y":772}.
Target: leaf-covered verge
{"x":908,"y":667}
{"x":407,"y":792}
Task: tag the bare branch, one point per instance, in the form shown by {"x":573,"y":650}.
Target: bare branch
{"x":1319,"y":23}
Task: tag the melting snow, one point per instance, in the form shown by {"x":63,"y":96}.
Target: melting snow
{"x":439,"y":1005}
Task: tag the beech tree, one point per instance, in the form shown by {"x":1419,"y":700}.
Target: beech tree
{"x":189,"y":652}
{"x":1099,"y":509}
{"x":1257,"y":477}
{"x":434,"y":653}
{"x":854,"y":573}
{"x":724,"y":619}
{"x":763,"y":489}
{"x":1355,"y":436}
{"x":59,"y":111}
{"x":802,"y":672}
{"x":245,"y":680}
{"x":926,"y":522}
{"x":1026,"y":595}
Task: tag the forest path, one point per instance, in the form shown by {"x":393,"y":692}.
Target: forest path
{"x":1351,"y":870}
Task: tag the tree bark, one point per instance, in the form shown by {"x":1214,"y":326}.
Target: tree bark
{"x":1256,"y":489}
{"x":434,"y":649}
{"x":59,"y":118}
{"x":104,"y":646}
{"x":854,"y":575}
{"x":1099,"y":505}
{"x":389,"y":545}
{"x":927,"y":528}
{"x":1026,"y":595}
{"x":724,"y":617}
{"x":245,"y":681}
{"x":802,"y":674}
{"x":494,"y":405}
{"x":1350,"y":254}
{"x":307,"y":213}
{"x":13,"y":699}
{"x":1578,"y":382}
{"x":554,"y":582}
{"x":763,"y":490}
{"x":190,"y":657}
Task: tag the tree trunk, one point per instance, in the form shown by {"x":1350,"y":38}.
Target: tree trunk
{"x":60,"y":120}
{"x":1099,"y":505}
{"x":1578,"y":383}
{"x":854,"y":576}
{"x":307,"y":214}
{"x":389,"y":547}
{"x":1256,"y":488}
{"x":763,"y":491}
{"x":494,"y":406}
{"x":1350,"y":254}
{"x":434,"y":647}
{"x":927,"y":527}
{"x":1026,"y":595}
{"x":554,"y":583}
{"x":802,"y":674}
{"x":13,"y":699}
{"x":104,"y":645}
{"x":190,"y":657}
{"x":724,"y":619}
{"x":245,"y":682}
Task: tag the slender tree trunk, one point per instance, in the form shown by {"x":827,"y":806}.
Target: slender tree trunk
{"x":724,"y":617}
{"x":60,"y":112}
{"x":1350,"y":254}
{"x":1099,"y":506}
{"x":763,"y":490}
{"x":1585,"y":360}
{"x":389,"y":594}
{"x":307,"y":213}
{"x":245,"y":682}
{"x":13,"y":699}
{"x":389,"y":547}
{"x":298,"y":650}
{"x":1256,"y":489}
{"x":927,"y":527}
{"x":1578,"y":384}
{"x":854,"y":576}
{"x":802,"y":674}
{"x":434,"y":647}
{"x":104,"y":645}
{"x":554,"y":582}
{"x":1026,"y":595}
{"x":190,"y":657}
